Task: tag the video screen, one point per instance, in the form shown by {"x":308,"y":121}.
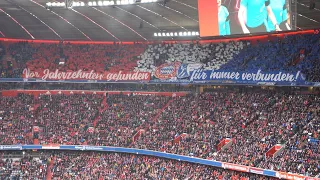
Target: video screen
{"x":227,"y":17}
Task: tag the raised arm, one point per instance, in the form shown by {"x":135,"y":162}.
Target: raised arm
{"x":241,"y":17}
{"x":273,"y":18}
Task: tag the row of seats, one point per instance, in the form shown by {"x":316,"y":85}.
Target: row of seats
{"x":98,"y":87}
{"x":290,"y":53}
{"x":64,"y":165}
{"x":127,"y":166}
{"x":20,"y":168}
{"x":254,"y":120}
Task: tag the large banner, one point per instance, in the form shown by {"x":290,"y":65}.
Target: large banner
{"x":245,"y":77}
{"x":170,"y":73}
{"x":86,"y":75}
{"x":195,"y":73}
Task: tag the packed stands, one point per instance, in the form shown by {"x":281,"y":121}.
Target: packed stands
{"x":126,"y":166}
{"x":212,"y":55}
{"x":16,"y":119}
{"x":73,"y":116}
{"x":91,"y":165}
{"x":124,"y":116}
{"x":290,"y":53}
{"x":302,"y":150}
{"x":155,"y":116}
{"x":191,"y":125}
{"x":23,"y":167}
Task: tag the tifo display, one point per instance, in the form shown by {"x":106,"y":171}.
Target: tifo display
{"x":282,"y":59}
{"x":103,"y":110}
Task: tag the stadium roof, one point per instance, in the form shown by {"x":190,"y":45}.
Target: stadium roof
{"x":29,"y":19}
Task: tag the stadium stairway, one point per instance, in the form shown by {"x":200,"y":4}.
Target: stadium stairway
{"x":140,"y":130}
{"x":49,"y":173}
{"x":102,"y":108}
{"x":176,"y":140}
{"x":163,"y":108}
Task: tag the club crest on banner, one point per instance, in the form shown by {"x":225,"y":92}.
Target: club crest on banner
{"x":176,"y":70}
{"x":167,"y":70}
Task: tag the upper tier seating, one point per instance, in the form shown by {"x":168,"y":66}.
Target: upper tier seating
{"x":291,"y":53}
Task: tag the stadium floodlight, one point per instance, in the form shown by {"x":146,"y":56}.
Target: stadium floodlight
{"x":171,"y":34}
{"x":185,"y":33}
{"x":94,"y":3}
{"x":193,"y":33}
{"x":131,"y":1}
{"x":48,"y":4}
{"x":105,"y":3}
{"x":168,"y":34}
{"x":82,"y":4}
{"x":89,"y":3}
{"x":118,"y":2}
{"x":159,"y":34}
{"x":180,"y":33}
{"x":54,"y":4}
{"x":100,"y":3}
{"x":163,"y":34}
{"x":175,"y":34}
{"x":155,"y":34}
{"x":197,"y":33}
{"x":189,"y":33}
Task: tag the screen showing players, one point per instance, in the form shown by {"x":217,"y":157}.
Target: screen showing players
{"x":227,"y":17}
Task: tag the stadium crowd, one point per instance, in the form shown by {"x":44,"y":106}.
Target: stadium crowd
{"x":127,"y":166}
{"x":59,"y":165}
{"x":290,"y":53}
{"x":124,"y":116}
{"x":73,"y":116}
{"x":191,"y":125}
{"x":255,"y":121}
{"x":26,"y":167}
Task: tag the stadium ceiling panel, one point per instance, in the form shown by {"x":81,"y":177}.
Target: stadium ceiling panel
{"x":136,"y":22}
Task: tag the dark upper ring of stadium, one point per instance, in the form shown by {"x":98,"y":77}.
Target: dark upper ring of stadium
{"x":126,"y":22}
